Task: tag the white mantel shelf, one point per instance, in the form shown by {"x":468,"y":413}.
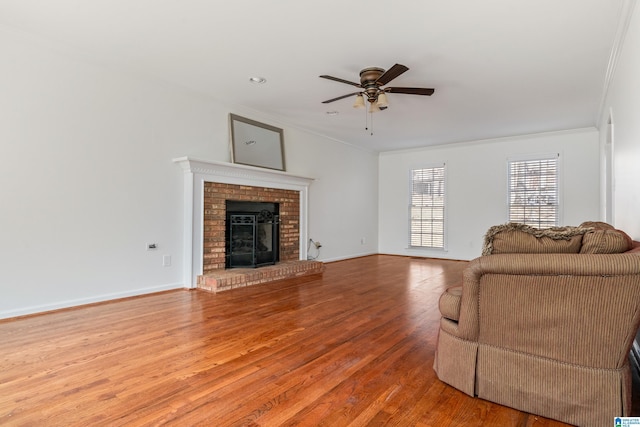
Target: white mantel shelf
{"x":236,"y":172}
{"x":197,"y":172}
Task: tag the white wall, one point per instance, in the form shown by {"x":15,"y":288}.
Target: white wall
{"x":87,"y":179}
{"x":476,"y":185}
{"x":623,"y":103}
{"x":343,"y":200}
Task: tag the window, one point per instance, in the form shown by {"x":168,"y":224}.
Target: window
{"x":427,"y":207}
{"x":533,"y":192}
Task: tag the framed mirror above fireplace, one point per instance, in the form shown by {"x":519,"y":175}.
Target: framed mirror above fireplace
{"x":256,"y":144}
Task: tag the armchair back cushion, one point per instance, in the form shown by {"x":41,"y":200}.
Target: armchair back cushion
{"x":514,"y":238}
{"x":605,"y":242}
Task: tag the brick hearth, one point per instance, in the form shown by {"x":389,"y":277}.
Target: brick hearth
{"x":221,"y":280}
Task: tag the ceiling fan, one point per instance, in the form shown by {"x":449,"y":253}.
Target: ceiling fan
{"x":371,"y":81}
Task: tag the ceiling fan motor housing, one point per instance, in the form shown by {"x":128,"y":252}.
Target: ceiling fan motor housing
{"x":368,"y":81}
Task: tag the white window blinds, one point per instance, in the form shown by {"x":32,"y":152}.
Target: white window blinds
{"x":533,"y":192}
{"x":427,"y":207}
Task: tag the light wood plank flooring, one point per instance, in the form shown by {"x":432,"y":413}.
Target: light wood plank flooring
{"x":352,"y":348}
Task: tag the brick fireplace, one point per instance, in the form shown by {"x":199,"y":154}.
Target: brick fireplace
{"x":216,"y":195}
{"x":207,"y":187}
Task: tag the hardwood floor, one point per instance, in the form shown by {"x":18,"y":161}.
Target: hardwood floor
{"x":352,"y":348}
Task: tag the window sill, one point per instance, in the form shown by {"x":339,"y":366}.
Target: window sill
{"x":426,"y":249}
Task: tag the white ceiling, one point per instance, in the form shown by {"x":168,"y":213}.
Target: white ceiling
{"x":499,"y":67}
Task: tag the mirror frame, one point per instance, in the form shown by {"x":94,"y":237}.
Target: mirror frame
{"x":269,"y":141}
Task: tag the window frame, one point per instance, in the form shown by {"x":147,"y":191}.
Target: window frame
{"x":558,"y":187}
{"x":410,"y":233}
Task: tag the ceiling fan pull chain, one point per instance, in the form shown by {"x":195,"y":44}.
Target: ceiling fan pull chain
{"x":366,"y":120}
{"x":371,"y":124}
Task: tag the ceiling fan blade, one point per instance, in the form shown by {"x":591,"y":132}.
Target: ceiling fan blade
{"x":340,"y":80}
{"x":340,"y":97}
{"x":391,"y":74}
{"x":410,"y":90}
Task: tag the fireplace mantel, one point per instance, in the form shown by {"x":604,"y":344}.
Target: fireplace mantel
{"x":197,"y":172}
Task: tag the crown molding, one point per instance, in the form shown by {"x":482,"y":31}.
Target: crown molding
{"x":624,"y":18}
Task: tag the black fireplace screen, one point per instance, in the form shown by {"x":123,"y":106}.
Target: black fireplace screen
{"x":252,"y":236}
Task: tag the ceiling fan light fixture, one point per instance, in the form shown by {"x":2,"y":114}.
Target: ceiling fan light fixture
{"x":359,"y":101}
{"x":383,"y":102}
{"x":373,"y":107}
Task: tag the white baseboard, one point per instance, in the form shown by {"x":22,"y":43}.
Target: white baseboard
{"x":348,"y":257}
{"x":23,"y":311}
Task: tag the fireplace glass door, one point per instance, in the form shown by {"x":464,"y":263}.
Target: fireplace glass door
{"x":252,"y":238}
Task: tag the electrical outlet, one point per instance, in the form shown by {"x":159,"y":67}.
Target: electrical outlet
{"x":318,"y":245}
{"x":166,"y":260}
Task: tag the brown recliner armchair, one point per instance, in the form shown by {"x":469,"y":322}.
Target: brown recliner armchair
{"x":546,"y":333}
